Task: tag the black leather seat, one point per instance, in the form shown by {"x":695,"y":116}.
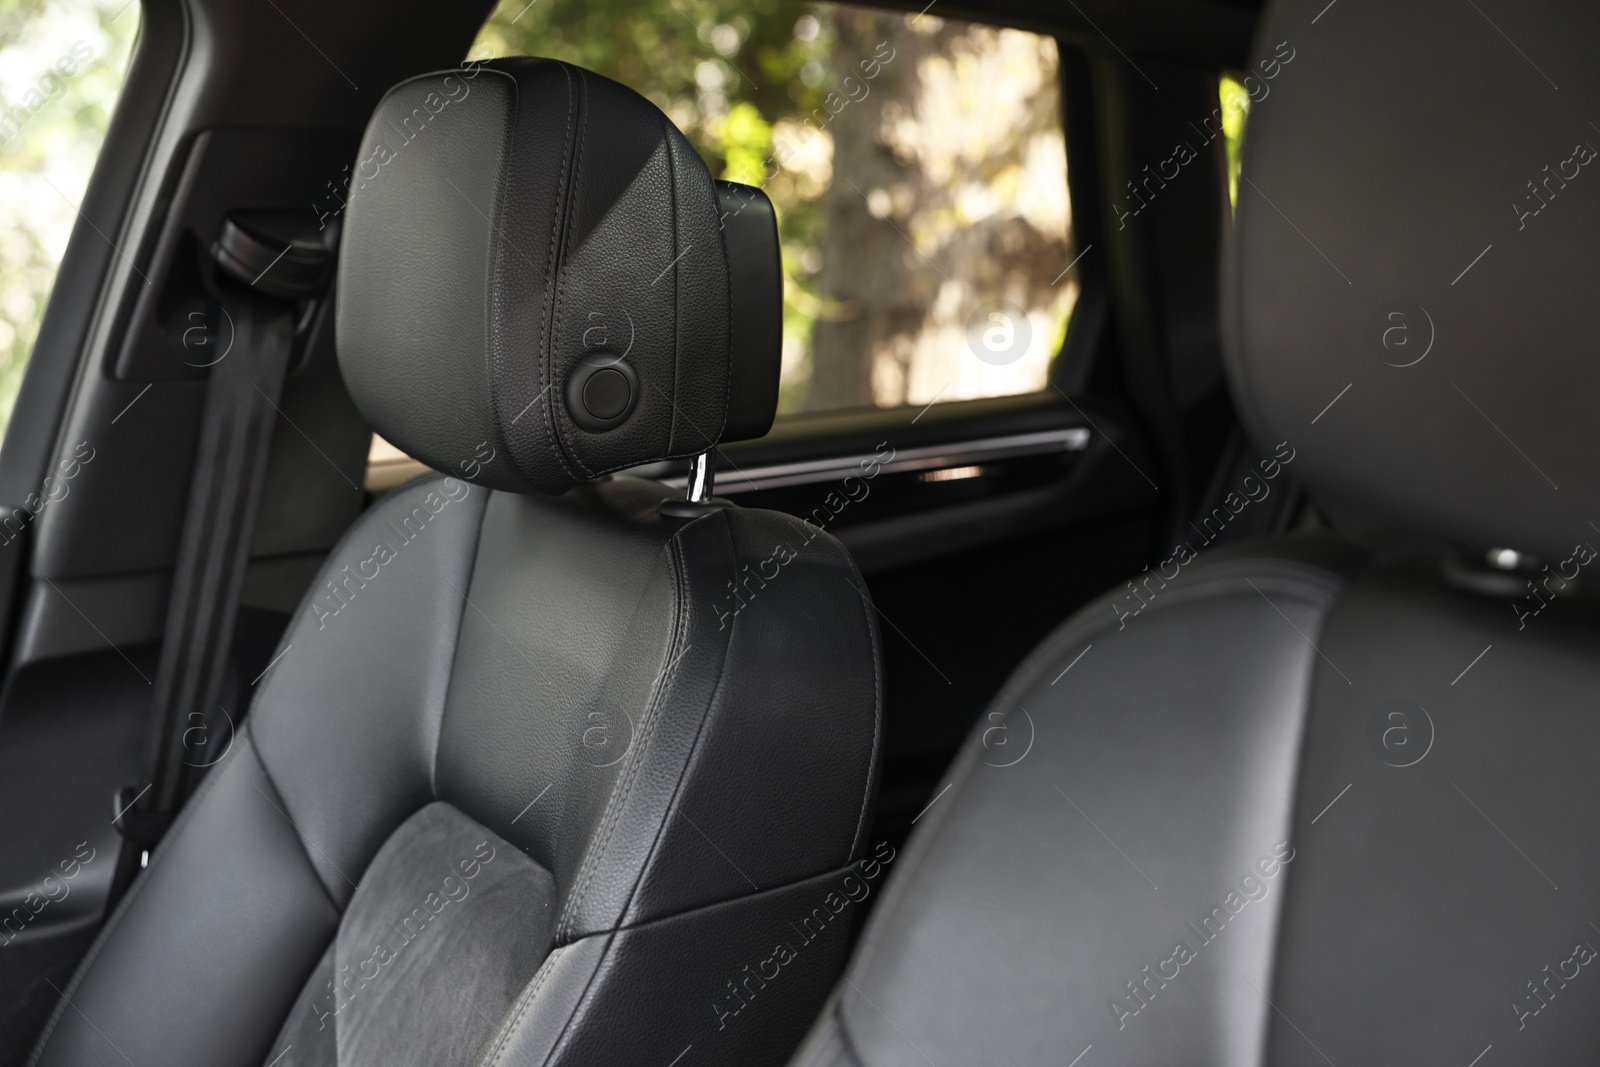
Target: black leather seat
{"x":1329,"y":801}
{"x":542,"y":769}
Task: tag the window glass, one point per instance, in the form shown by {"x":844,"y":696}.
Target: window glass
{"x":917,"y":164}
{"x":61,"y":67}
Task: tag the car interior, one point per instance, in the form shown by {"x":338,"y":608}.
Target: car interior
{"x":782,"y":532}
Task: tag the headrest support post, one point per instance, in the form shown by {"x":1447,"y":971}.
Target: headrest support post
{"x":702,"y":475}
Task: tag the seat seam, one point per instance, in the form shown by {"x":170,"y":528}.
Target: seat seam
{"x":524,"y":1002}
{"x":1322,"y":584}
{"x":641,"y":924}
{"x":877,"y":713}
{"x":677,"y":294}
{"x":560,"y":240}
{"x":847,"y":1040}
{"x":299,"y":839}
{"x":547,"y":318}
{"x":611,"y":939}
{"x":688,"y":761}
{"x":455,"y":650}
{"x":184,"y":817}
{"x":492,"y":362}
{"x":619,"y":797}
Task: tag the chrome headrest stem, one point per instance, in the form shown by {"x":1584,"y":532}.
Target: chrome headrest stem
{"x":701,"y":475}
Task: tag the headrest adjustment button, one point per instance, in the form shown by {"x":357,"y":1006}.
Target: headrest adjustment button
{"x":601,"y":392}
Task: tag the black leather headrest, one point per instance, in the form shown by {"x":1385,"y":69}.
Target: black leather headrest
{"x":1417,"y":244}
{"x":536,"y":267}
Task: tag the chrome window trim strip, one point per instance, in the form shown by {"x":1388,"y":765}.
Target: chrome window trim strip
{"x":733,"y":480}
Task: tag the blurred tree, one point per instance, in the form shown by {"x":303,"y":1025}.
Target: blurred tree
{"x":724,"y":71}
{"x":15,"y":15}
{"x":697,"y":60}
{"x":867,"y":258}
{"x":917,"y":167}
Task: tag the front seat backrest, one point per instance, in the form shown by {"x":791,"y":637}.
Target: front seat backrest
{"x":537,"y":777}
{"x":1329,"y":800}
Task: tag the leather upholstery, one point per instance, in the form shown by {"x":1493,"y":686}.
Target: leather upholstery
{"x":1206,"y":858}
{"x":1326,"y":800}
{"x":1014,"y":919}
{"x":1402,"y":143}
{"x":511,"y":222}
{"x":651,"y":738}
{"x":564,"y":673}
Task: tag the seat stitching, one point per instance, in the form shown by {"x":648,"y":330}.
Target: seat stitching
{"x":877,"y":714}
{"x":611,"y":936}
{"x":1322,"y":585}
{"x":677,"y":291}
{"x":492,"y":363}
{"x":455,"y":651}
{"x":546,"y":323}
{"x":694,"y":748}
{"x":618,"y":799}
{"x":524,"y":1002}
{"x":573,"y":183}
{"x":184,"y":817}
{"x":617,"y":802}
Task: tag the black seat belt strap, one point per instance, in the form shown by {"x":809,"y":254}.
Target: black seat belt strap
{"x":241,"y":406}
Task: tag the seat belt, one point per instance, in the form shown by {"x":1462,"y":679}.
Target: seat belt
{"x":241,"y":406}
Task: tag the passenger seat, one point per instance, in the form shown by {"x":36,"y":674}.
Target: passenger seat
{"x":1331,"y":800}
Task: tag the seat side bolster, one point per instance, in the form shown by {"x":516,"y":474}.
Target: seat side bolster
{"x":1128,"y":779}
{"x":212,"y":943}
{"x":790,"y":706}
{"x":348,"y":718}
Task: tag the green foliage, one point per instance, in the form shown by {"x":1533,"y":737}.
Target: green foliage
{"x":707,"y":63}
{"x":63,"y":68}
{"x":1235,"y":109}
{"x":744,"y":141}
{"x":908,"y":159}
{"x":725,"y":73}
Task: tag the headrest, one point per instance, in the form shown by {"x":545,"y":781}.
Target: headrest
{"x":535,"y":284}
{"x":1413,"y":279}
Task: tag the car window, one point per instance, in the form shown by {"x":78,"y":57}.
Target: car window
{"x":61,"y":68}
{"x":917,"y":165}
